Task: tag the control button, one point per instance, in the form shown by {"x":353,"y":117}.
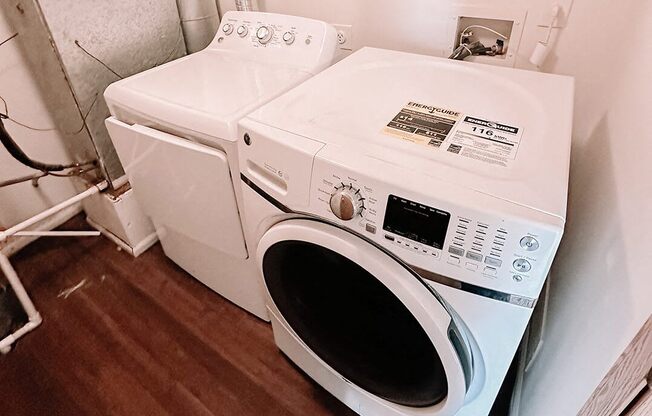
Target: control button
{"x":491,"y":271}
{"x":227,"y":28}
{"x":517,"y":277}
{"x":453,"y":260}
{"x":346,"y":202}
{"x":493,"y":261}
{"x":471,"y":266}
{"x":522,"y":265}
{"x":415,"y":248}
{"x":474,"y":256}
{"x":529,"y":243}
{"x":264,"y":34}
{"x":456,"y":250}
{"x":242,"y":31}
{"x":370,"y":228}
{"x":288,"y":38}
{"x":435,"y":254}
{"x":389,"y":237}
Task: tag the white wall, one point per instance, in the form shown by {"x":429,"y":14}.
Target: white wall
{"x":419,"y":26}
{"x":601,"y":289}
{"x":17,"y":87}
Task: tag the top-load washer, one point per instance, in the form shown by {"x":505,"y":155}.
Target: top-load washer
{"x":175,"y":130}
{"x":406,"y":211}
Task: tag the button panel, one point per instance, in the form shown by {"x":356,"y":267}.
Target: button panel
{"x":522,"y":265}
{"x":492,"y":261}
{"x":259,"y":30}
{"x":487,"y":253}
{"x":456,"y":250}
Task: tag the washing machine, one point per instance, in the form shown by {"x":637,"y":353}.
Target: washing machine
{"x":406,"y":210}
{"x":175,"y":130}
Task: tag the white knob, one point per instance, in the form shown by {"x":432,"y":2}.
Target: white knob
{"x":242,"y":31}
{"x":264,"y":34}
{"x":288,"y":38}
{"x":346,"y":202}
{"x":227,"y":28}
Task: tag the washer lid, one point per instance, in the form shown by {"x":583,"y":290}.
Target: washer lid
{"x":411,"y":110}
{"x":207,"y":92}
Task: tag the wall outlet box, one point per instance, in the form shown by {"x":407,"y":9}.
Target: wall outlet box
{"x":506,"y":21}
{"x":344,"y":37}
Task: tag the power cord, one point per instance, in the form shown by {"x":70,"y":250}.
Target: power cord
{"x":9,"y":38}
{"x":5,"y":115}
{"x":97,"y":59}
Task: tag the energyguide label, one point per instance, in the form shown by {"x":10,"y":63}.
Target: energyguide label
{"x":458,"y":134}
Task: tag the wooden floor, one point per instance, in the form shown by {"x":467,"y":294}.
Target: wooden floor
{"x":142,"y":337}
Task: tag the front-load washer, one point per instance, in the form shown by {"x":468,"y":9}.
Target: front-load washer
{"x":406,"y":211}
{"x":175,"y":130}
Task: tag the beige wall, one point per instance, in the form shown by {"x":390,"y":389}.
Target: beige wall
{"x":17,"y":86}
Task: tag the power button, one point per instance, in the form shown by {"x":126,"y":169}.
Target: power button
{"x":529,"y":243}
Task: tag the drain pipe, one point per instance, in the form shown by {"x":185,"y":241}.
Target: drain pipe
{"x":34,"y":318}
{"x":199,"y":22}
{"x":49,"y":212}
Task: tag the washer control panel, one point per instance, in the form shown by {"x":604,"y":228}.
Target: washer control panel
{"x":270,"y":30}
{"x":277,"y":39}
{"x":462,"y":242}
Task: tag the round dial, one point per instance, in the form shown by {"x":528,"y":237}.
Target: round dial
{"x":242,"y":31}
{"x":288,"y":38}
{"x":264,"y":34}
{"x":227,"y":28}
{"x":346,"y":202}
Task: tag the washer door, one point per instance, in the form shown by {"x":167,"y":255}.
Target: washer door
{"x":366,"y":315}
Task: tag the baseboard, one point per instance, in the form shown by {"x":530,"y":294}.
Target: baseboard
{"x":14,"y":244}
{"x":135,"y":251}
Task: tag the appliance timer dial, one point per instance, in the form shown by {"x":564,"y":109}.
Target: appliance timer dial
{"x":346,"y":202}
{"x":264,"y":34}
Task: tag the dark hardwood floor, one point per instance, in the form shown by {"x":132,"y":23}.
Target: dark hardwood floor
{"x":142,"y":337}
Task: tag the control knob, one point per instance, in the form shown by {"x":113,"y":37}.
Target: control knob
{"x":288,"y":38}
{"x":242,"y":31}
{"x":227,"y":28}
{"x":264,"y":34}
{"x":346,"y":202}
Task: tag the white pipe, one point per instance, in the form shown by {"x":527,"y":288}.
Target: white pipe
{"x":57,"y":234}
{"x":36,"y":218}
{"x":32,"y":314}
{"x":34,"y":317}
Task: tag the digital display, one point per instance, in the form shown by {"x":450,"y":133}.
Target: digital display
{"x":416,"y":221}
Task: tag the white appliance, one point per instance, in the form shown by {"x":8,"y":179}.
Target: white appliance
{"x":174,"y":128}
{"x":407,"y":210}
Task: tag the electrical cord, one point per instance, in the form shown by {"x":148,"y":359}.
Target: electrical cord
{"x":97,"y":59}
{"x":6,"y":116}
{"x":9,"y":38}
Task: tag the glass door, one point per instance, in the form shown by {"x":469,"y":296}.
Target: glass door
{"x":364,"y":314}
